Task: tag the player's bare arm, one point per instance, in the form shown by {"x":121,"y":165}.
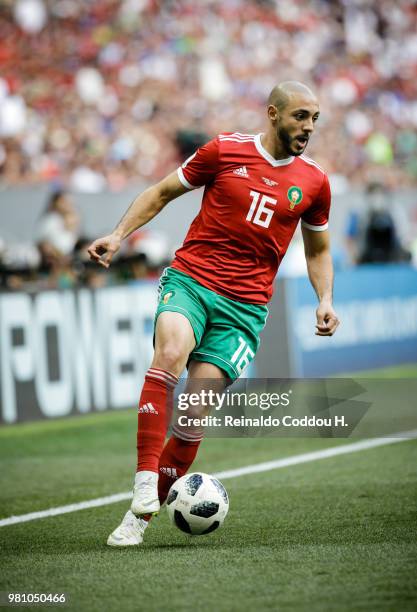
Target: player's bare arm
{"x":320,"y":272}
{"x":143,"y":208}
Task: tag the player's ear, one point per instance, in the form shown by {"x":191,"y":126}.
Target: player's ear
{"x":272,"y":112}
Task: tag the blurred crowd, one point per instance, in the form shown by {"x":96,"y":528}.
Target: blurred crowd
{"x":99,"y":94}
{"x":57,"y":257}
{"x":106,"y":94}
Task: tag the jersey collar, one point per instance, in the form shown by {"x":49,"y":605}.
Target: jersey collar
{"x":274,"y":162}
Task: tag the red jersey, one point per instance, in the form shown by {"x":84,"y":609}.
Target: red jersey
{"x":251,"y":207}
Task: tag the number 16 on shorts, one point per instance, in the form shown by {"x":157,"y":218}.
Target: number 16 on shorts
{"x":242,"y":356}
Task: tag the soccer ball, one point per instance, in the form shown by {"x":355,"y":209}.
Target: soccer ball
{"x":197,"y":503}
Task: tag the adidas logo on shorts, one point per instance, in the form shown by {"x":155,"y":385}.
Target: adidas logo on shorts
{"x":147,"y":409}
{"x":241,"y":172}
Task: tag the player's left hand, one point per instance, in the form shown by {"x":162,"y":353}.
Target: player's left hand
{"x":327,"y":321}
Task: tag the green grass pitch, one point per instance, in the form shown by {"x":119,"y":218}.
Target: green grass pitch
{"x":334,"y":534}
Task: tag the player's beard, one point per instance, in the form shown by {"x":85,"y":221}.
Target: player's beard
{"x":287,"y":141}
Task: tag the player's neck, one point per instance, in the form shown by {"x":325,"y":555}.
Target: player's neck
{"x":274,"y":146}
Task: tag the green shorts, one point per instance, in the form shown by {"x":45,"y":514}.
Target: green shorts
{"x":226,"y":331}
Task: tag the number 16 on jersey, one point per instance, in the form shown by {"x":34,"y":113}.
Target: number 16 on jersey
{"x":258,"y":213}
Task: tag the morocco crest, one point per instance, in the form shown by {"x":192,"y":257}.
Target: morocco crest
{"x":295,"y":195}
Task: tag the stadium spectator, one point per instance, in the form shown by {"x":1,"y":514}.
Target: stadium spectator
{"x":374,"y":235}
{"x":58,"y":233}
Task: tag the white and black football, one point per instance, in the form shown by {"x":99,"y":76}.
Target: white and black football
{"x":197,"y":503}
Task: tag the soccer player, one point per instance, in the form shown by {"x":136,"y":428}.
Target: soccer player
{"x":213,"y":298}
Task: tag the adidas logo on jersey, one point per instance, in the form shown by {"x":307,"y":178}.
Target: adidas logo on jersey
{"x":147,"y":409}
{"x":171,"y":472}
{"x":269,"y":182}
{"x":241,"y":172}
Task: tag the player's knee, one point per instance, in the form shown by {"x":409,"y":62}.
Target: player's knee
{"x":197,"y":412}
{"x":170,"y":357}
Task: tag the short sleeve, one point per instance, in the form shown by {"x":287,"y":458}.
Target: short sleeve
{"x":316,"y":216}
{"x":201,"y":167}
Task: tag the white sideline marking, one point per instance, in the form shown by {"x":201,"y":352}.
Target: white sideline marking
{"x":226,"y":474}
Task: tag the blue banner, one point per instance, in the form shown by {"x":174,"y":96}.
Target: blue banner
{"x":377,"y":307}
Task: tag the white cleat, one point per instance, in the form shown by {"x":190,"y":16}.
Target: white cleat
{"x":129,"y":532}
{"x":145,"y":494}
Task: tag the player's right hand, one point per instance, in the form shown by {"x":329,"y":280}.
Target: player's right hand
{"x":103,"y":249}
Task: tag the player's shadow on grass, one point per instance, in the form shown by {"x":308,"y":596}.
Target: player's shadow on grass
{"x":42,"y":543}
{"x":181,"y":545}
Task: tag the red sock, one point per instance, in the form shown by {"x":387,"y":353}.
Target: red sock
{"x":154,"y":415}
{"x":175,"y":461}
